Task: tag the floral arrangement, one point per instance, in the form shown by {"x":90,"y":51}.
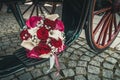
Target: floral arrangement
{"x":43,"y":37}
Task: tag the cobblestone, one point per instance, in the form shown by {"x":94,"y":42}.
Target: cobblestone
{"x":62,"y":66}
{"x":54,"y":77}
{"x":68,"y":72}
{"x":74,"y":57}
{"x":109,"y":52}
{"x":108,"y":65}
{"x":80,"y":70}
{"x":44,"y":78}
{"x":97,"y":58}
{"x":70,"y":50}
{"x":76,"y":46}
{"x":80,"y":42}
{"x":104,"y":55}
{"x":83,"y":49}
{"x":90,"y":54}
{"x":117,"y":72}
{"x":66,"y":54}
{"x":45,"y":70}
{"x":86,"y":58}
{"x":107,"y":73}
{"x":62,"y":60}
{"x":78,"y":52}
{"x":72,"y":63}
{"x":115,"y":55}
{"x":29,"y":69}
{"x":93,"y":69}
{"x":95,"y":63}
{"x":25,"y":76}
{"x":93,"y":77}
{"x":36,"y":73}
{"x":82,"y":63}
{"x":80,"y":77}
{"x":111,"y":60}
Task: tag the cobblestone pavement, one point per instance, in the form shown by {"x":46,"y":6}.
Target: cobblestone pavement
{"x":78,"y":62}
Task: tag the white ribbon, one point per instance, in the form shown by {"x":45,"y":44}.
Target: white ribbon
{"x":52,"y":62}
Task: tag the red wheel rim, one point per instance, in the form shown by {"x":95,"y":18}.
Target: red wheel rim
{"x":105,"y":27}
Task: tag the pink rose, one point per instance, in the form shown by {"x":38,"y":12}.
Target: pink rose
{"x":31,"y":23}
{"x":59,"y":25}
{"x":32,"y":54}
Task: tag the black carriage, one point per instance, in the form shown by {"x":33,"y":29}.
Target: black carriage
{"x":76,"y":15}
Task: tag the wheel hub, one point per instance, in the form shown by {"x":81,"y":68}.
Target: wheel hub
{"x":116,"y":6}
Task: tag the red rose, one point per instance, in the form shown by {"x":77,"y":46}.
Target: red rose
{"x":56,"y":43}
{"x":42,"y":33}
{"x":50,"y":23}
{"x":24,"y":35}
{"x":42,"y":48}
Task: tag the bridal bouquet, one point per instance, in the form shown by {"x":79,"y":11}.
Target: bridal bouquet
{"x":43,"y":37}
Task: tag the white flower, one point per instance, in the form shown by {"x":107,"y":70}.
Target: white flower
{"x":56,"y":34}
{"x":33,"y":31}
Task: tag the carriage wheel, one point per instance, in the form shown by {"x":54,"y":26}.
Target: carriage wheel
{"x":36,"y":8}
{"x":103,"y":24}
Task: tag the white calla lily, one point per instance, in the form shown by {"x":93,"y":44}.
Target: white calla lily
{"x":33,"y":31}
{"x":56,"y":34}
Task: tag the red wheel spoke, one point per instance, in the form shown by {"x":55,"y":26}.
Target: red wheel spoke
{"x":101,"y":22}
{"x":115,"y":24}
{"x":106,"y":30}
{"x":103,"y":29}
{"x":110,"y":29}
{"x":102,"y":10}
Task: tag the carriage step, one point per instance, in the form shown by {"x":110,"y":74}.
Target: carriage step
{"x":9,"y":65}
{"x":21,"y":55}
